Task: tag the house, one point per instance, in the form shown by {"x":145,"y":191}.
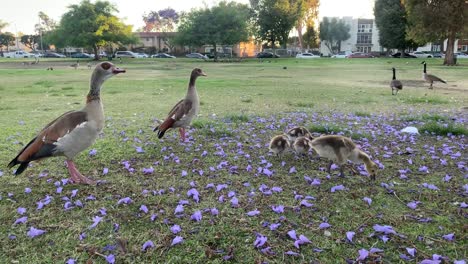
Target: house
{"x":364,"y":37}
{"x":154,"y":42}
{"x":460,"y":45}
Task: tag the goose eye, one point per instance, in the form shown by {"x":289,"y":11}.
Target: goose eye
{"x":106,"y":66}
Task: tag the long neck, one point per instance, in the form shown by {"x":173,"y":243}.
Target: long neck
{"x":394,"y":77}
{"x":424,"y":68}
{"x":95,"y":88}
{"x":191,"y":87}
{"x":364,"y":157}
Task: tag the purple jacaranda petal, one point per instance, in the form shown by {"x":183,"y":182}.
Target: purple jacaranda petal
{"x":337,"y":188}
{"x":110,"y":259}
{"x":59,"y":190}
{"x":92,"y":152}
{"x":429,"y":261}
{"x":375,"y":250}
{"x":430,"y":186}
{"x":82,"y":236}
{"x":423,"y":169}
{"x":74,"y":192}
{"x":184,"y":173}
{"x":462,"y":261}
{"x":306,"y":203}
{"x":253,"y":213}
{"x":197,"y":216}
{"x":324,"y":225}
{"x":27,"y":190}
{"x":234,"y":202}
{"x":413,"y":204}
{"x":21,"y":210}
{"x":147,"y":244}
{"x":177,"y":240}
{"x":292,"y":234}
{"x":179,"y":209}
{"x":153,"y":217}
{"x":292,"y":170}
{"x":267,"y":251}
{"x":267,"y":172}
{"x":367,"y":200}
{"x":411,"y":251}
{"x":315,"y":182}
{"x":304,"y":239}
{"x":144,"y":209}
{"x":175,"y":229}
{"x":96,"y":220}
{"x":404,"y":257}
{"x":384,"y":229}
{"x":274,"y":226}
{"x":194,"y":194}
{"x":276,"y":189}
{"x":291,"y":253}
{"x":260,"y":241}
{"x":103,"y":211}
{"x":78,"y":203}
{"x":11,"y":237}
{"x":350,"y":235}
{"x":449,"y":237}
{"x":363,"y":254}
{"x":139,"y":149}
{"x":220,"y":187}
{"x":384,"y":238}
{"x":105,"y":171}
{"x":125,"y":200}
{"x":149,"y":170}
{"x":447,"y":178}
{"x":278,"y":209}
{"x":70,"y":261}
{"x":463,"y":205}
{"x":21,"y":220}
{"x":33,"y":232}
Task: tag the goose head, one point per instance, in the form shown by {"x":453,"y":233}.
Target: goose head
{"x":372,"y":168}
{"x":105,"y":70}
{"x":423,"y":62}
{"x":198,"y":72}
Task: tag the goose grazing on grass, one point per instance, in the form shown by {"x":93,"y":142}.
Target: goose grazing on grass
{"x":429,"y":77}
{"x":75,"y":65}
{"x":302,"y":145}
{"x":72,"y":132}
{"x":279,"y":144}
{"x":296,"y":132}
{"x":184,"y":111}
{"x":395,"y":84}
{"x":339,"y":150}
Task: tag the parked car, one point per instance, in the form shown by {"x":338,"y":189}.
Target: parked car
{"x":360,"y":55}
{"x":125,"y":54}
{"x":420,"y":54}
{"x":37,"y":53}
{"x":82,"y":55}
{"x":197,"y":56}
{"x":306,"y":56}
{"x":142,"y":55}
{"x":18,"y":54}
{"x":405,"y":55}
{"x":163,"y":55}
{"x":102,"y":54}
{"x":53,"y":55}
{"x":341,"y":54}
{"x":263,"y":54}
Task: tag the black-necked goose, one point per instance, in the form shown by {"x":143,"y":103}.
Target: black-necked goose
{"x":395,"y":84}
{"x":279,"y":144}
{"x":339,"y":150}
{"x":185,"y":110}
{"x":73,"y":131}
{"x":429,"y":77}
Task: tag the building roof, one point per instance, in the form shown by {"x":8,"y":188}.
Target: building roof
{"x":155,"y":34}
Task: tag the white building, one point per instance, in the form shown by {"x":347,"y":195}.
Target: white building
{"x":364,"y":37}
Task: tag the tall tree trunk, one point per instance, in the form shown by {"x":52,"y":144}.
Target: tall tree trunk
{"x":299,"y":34}
{"x":449,"y":61}
{"x":96,"y":55}
{"x":215,"y":52}
{"x":402,"y":53}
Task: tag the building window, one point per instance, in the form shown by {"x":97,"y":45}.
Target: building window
{"x":147,"y":39}
{"x":436,"y":47}
{"x":364,"y":39}
{"x":364,"y":49}
{"x":464,"y":48}
{"x":365,"y":28}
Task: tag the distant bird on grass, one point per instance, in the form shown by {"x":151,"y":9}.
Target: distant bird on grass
{"x":395,"y":84}
{"x":185,"y":110}
{"x":71,"y":132}
{"x":75,"y":65}
{"x":429,"y":78}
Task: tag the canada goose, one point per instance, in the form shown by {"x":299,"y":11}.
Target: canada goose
{"x":296,"y":132}
{"x":185,"y":110}
{"x":73,"y":131}
{"x":429,"y":77}
{"x":395,"y":84}
{"x":339,"y":149}
{"x":302,"y":144}
{"x":279,"y":144}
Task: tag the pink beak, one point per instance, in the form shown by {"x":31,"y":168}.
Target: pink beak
{"x":118,"y":70}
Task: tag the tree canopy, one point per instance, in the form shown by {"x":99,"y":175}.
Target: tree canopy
{"x":30,"y":41}
{"x":164,"y":20}
{"x":274,"y":19}
{"x":224,"y":24}
{"x":307,"y":17}
{"x":332,"y":32}
{"x":3,"y":25}
{"x":6,"y":39}
{"x":92,"y":26}
{"x":438,"y":20}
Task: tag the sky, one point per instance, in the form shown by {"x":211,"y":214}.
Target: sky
{"x":22,"y":14}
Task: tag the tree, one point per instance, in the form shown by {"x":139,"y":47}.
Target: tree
{"x":307,"y":18}
{"x":310,"y":38}
{"x":164,"y":20}
{"x":92,"y":26}
{"x":224,"y":24}
{"x":44,"y":28}
{"x":30,"y":41}
{"x":3,"y":25}
{"x":438,"y":20}
{"x":6,"y":39}
{"x":332,"y":32}
{"x":274,"y":19}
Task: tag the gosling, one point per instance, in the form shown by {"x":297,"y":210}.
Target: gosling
{"x":279,"y":144}
{"x":302,"y":145}
{"x":296,"y":132}
{"x":339,"y":149}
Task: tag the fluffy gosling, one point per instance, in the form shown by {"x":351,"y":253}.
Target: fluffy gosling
{"x":279,"y":144}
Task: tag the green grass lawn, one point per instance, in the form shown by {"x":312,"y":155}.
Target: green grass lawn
{"x":243,"y":104}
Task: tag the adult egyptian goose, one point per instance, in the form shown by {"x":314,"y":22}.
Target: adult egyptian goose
{"x":73,"y":131}
{"x":339,"y":150}
{"x":395,"y":84}
{"x":429,"y":77}
{"x":278,"y":144}
{"x":296,"y":132}
{"x":75,"y":65}
{"x":184,"y":111}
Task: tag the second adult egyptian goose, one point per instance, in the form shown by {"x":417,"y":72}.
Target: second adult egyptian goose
{"x":73,"y":131}
{"x":339,"y":150}
{"x":395,"y":84}
{"x":185,"y":110}
{"x":429,"y":77}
